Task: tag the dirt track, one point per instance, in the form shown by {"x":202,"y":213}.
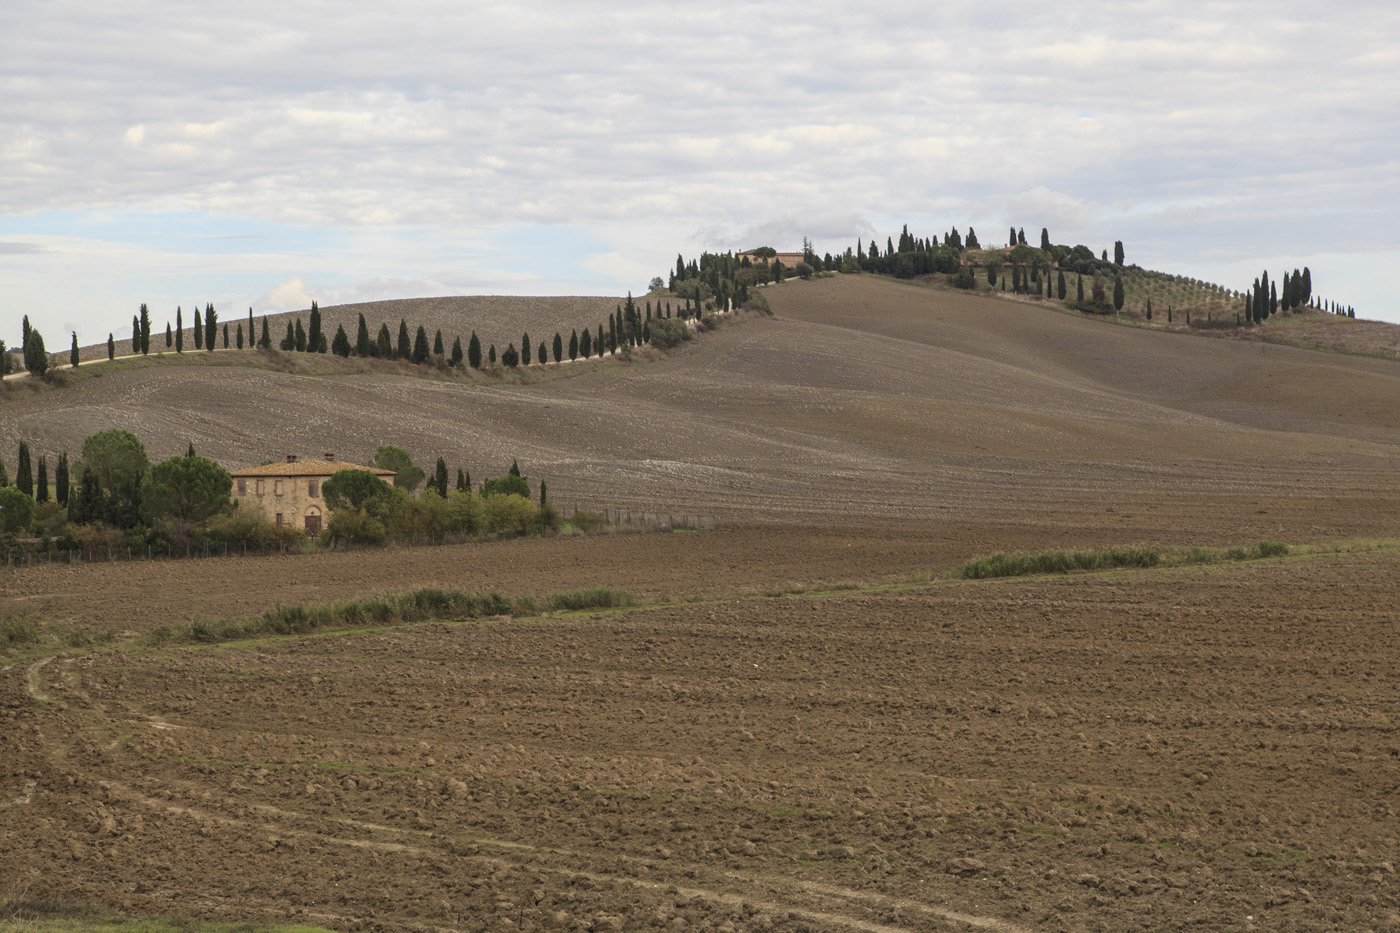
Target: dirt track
{"x":1136,"y":750}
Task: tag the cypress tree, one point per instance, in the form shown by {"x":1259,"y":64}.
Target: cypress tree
{"x":340,"y":346}
{"x":240,"y":335}
{"x":226,"y":334}
{"x":251,"y":332}
{"x":585,"y":343}
{"x":198,"y":330}
{"x":461,"y":480}
{"x":525,"y":349}
{"x":440,"y":477}
{"x":1011,"y":237}
{"x":474,"y":352}
{"x":420,"y":345}
{"x":60,"y":480}
{"x":558,"y":347}
{"x":510,"y":357}
{"x":135,"y":334}
{"x":384,"y":343}
{"x":1081,"y":287}
{"x":265,"y":341}
{"x":289,"y":342}
{"x":313,"y":333}
{"x":211,"y":326}
{"x":111,"y":347}
{"x":514,"y":468}
{"x":598,"y":342}
{"x":180,"y":330}
{"x":491,"y":355}
{"x":36,"y":359}
{"x":1117,"y":293}
{"x":573,"y":345}
{"x":542,"y":356}
{"x":1060,"y":284}
{"x":1273,"y":298}
{"x":169,"y":337}
{"x":145,"y":330}
{"x":405,"y":348}
{"x":456,"y":359}
{"x":1045,"y":241}
{"x":24,"y":473}
{"x":362,"y":345}
{"x":299,"y":338}
{"x":1149,"y":309}
{"x":73,"y":352}
{"x":437,"y":345}
{"x":1118,"y":252}
{"x":190,"y":452}
{"x":41,"y":484}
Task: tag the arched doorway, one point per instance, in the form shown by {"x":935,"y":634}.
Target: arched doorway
{"x":313,"y":522}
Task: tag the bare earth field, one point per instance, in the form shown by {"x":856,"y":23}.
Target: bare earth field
{"x":788,"y":734}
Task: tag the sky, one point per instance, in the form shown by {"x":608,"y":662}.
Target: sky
{"x":262,"y":155}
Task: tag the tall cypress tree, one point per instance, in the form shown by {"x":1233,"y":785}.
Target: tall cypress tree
{"x":456,"y":358}
{"x":474,"y":352}
{"x":362,"y":344}
{"x":341,"y":345}
{"x":585,"y":343}
{"x":111,"y":347}
{"x":240,"y":335}
{"x":60,"y":478}
{"x":573,"y":345}
{"x":211,"y":326}
{"x":1060,"y":285}
{"x":198,"y":330}
{"x":525,"y":349}
{"x":169,"y":336}
{"x":1117,"y":293}
{"x":135,"y":334}
{"x":384,"y":343}
{"x":558,"y":347}
{"x":405,"y":348}
{"x":462,"y":483}
{"x":180,"y":330}
{"x":440,"y":477}
{"x":299,"y":338}
{"x":41,"y":483}
{"x":24,"y":473}
{"x":438,"y":349}
{"x":73,"y":352}
{"x":289,"y":341}
{"x":251,"y":332}
{"x":313,"y":332}
{"x":1081,"y":287}
{"x":145,"y":330}
{"x":265,"y":341}
{"x":226,"y":334}
{"x":598,"y":345}
{"x":420,"y":346}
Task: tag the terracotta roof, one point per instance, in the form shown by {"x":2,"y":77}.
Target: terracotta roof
{"x":309,"y":468}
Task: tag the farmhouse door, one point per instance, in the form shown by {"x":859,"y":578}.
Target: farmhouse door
{"x":313,"y":525}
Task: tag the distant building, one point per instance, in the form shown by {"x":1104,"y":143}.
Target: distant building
{"x":289,"y":493}
{"x":787,"y":259}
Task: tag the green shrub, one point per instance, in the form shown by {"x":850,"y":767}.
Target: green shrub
{"x":508,"y":485}
{"x":588,"y":522}
{"x":599,"y":597}
{"x":508,"y":514}
{"x":355,"y":526}
{"x":1272,"y":548}
{"x":18,"y":631}
{"x":669,"y":332}
{"x":1016,"y":565}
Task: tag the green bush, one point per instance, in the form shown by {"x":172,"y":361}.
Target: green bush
{"x":1272,"y":548}
{"x":599,"y":597}
{"x":508,"y":485}
{"x":669,"y":332}
{"x":17,"y":631}
{"x":508,"y":514}
{"x":588,"y":522}
{"x":1016,"y":565}
{"x":355,"y":526}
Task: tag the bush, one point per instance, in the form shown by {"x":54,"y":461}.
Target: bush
{"x":669,"y":332}
{"x":964,"y":279}
{"x":509,"y":485}
{"x":598,"y":597}
{"x":758,"y":302}
{"x":14,"y":632}
{"x":508,"y":514}
{"x":1272,"y":549}
{"x":241,"y":528}
{"x":355,"y":526}
{"x":547,"y":518}
{"x":588,"y":522}
{"x":1016,"y":565}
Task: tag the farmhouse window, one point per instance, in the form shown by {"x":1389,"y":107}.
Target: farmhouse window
{"x":260,"y":487}
{"x":313,"y":489}
{"x":279,"y":519}
{"x":277,"y":487}
{"x":243,"y":487}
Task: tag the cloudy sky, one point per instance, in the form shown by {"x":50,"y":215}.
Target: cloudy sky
{"x":266,"y":153}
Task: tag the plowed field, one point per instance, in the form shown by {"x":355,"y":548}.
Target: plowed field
{"x":1211,"y":747}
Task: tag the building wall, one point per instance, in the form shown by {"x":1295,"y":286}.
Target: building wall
{"x":291,"y":497}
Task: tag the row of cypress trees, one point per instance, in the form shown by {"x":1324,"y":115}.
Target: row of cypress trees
{"x":35,"y":482}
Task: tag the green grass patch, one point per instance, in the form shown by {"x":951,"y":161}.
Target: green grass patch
{"x":598,"y":597}
{"x":18,"y":631}
{"x":1020,"y":565}
{"x":22,"y":914}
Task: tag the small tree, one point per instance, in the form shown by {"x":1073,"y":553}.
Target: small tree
{"x":420,"y":346}
{"x":1118,"y":293}
{"x":405,"y":348}
{"x":60,"y":480}
{"x":384,"y":344}
{"x":73,"y":351}
{"x":438,"y":349}
{"x":299,"y":338}
{"x":463,"y":483}
{"x":289,"y":341}
{"x":180,"y":330}
{"x":440,"y":477}
{"x":313,"y":332}
{"x":509,"y":357}
{"x":240,"y":335}
{"x":1060,"y":284}
{"x":525,"y":349}
{"x":36,"y":359}
{"x":456,"y":358}
{"x":340,"y":346}
{"x":16,"y":510}
{"x":573,"y":345}
{"x":226,"y":334}
{"x":406,"y":475}
{"x":169,"y":336}
{"x":41,"y":480}
{"x":198,"y":330}
{"x":1081,"y":287}
{"x":1118,"y":252}
{"x":558,"y":347}
{"x":474,"y":352}
{"x":491,"y":354}
{"x":24,"y":472}
{"x":542,"y":353}
{"x":265,"y":341}
{"x":185,"y":490}
{"x":362,"y":345}
{"x":145,"y":330}
{"x":111,"y":347}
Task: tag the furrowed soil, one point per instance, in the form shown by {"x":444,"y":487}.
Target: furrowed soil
{"x":789,"y":734}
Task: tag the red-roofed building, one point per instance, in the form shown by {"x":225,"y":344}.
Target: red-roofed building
{"x":289,"y":493}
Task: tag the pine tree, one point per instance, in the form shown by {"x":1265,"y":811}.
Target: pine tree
{"x":525,"y":349}
{"x":111,"y":347}
{"x":180,"y":330}
{"x":313,"y":332}
{"x":198,"y":330}
{"x":169,"y":337}
{"x":558,"y":347}
{"x":362,"y":344}
{"x":340,"y":346}
{"x":440,"y":477}
{"x":145,"y":330}
{"x":474,"y":352}
{"x":384,"y":343}
{"x":60,"y":480}
{"x":24,"y":474}
{"x":41,"y":483}
{"x":573,"y":345}
{"x":240,"y":335}
{"x":405,"y":348}
{"x":420,"y":345}
{"x":73,"y":352}
{"x":265,"y":341}
{"x":456,"y":358}
{"x":437,"y":345}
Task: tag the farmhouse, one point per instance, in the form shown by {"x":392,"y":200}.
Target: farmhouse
{"x":289,"y":493}
{"x":787,"y":259}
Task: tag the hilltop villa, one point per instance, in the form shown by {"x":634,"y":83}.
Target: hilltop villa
{"x":787,"y":259}
{"x":289,"y":493}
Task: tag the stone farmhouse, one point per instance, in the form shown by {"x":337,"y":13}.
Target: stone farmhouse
{"x":289,"y":493}
{"x":787,"y":259}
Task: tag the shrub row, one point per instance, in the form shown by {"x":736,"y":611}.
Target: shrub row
{"x":1018,"y":565}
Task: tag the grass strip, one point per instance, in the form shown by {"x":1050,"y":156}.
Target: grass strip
{"x":1027,"y":564}
{"x":420,"y":605}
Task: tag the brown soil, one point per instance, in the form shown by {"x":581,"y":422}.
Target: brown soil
{"x":1138,"y":750}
